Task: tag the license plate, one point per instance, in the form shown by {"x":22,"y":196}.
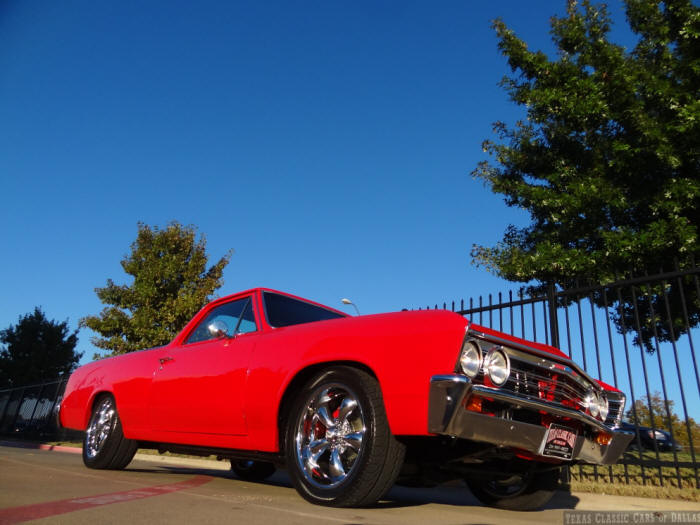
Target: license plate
{"x":559,"y":442}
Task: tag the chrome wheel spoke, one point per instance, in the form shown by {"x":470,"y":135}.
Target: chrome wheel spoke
{"x":337,"y":470}
{"x":100,"y":427}
{"x":310,"y":462}
{"x":354,"y":440}
{"x":346,"y":407}
{"x":318,"y":447}
{"x":324,"y":417}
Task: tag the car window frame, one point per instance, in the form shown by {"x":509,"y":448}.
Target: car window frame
{"x":340,"y":315}
{"x":249,"y":301}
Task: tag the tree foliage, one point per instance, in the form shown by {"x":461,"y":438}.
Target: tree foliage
{"x":36,"y":350}
{"x":654,"y":413}
{"x":607,"y":160}
{"x":171,"y":282}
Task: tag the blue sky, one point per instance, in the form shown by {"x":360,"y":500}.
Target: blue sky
{"x":328,"y":143}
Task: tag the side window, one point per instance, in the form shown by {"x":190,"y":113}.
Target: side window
{"x":286,"y":311}
{"x":237,"y":316}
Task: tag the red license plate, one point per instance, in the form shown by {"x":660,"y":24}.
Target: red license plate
{"x":559,"y":442}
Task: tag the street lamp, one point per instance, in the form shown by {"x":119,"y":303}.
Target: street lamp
{"x":348,"y":301}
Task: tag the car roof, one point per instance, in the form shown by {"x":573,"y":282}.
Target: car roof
{"x":261,"y":289}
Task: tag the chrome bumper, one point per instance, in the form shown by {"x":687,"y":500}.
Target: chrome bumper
{"x":447,"y":415}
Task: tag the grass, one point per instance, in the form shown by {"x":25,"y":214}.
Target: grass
{"x":639,"y":491}
{"x":633,"y":480}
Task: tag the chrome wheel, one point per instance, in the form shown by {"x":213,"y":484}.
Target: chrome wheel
{"x":100,"y":428}
{"x":104,"y":444}
{"x":329,"y":436}
{"x":339,"y":449}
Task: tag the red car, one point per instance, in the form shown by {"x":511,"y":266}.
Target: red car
{"x":351,"y":405}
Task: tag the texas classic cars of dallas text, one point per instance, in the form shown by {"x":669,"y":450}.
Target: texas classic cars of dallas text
{"x":351,"y":405}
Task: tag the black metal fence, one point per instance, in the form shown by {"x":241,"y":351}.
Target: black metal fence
{"x":30,"y":412}
{"x":636,"y":334}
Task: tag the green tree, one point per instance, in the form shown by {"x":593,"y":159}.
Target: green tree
{"x":607,"y":160}
{"x":171,"y":282}
{"x":36,"y":350}
{"x":655,"y":413}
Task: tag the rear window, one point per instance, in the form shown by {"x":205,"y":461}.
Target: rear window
{"x":286,"y":311}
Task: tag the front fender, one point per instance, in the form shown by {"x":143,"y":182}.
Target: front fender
{"x":402,"y":350}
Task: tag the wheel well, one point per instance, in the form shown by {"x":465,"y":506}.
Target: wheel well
{"x":91,"y":406}
{"x":298,"y":382}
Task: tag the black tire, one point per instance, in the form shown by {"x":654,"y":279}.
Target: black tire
{"x":354,"y":459}
{"x":104,"y":445}
{"x":528,"y":491}
{"x":252,"y":470}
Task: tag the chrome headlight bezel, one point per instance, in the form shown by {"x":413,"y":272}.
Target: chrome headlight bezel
{"x":470,"y":359}
{"x":497,"y":366}
{"x":603,"y":406}
{"x":591,"y":403}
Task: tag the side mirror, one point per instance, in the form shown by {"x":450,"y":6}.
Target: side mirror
{"x":218,"y":329}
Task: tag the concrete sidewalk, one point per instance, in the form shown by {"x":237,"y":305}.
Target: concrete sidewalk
{"x":157,"y":458}
{"x":576,"y":500}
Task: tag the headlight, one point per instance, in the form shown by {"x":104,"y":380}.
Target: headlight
{"x":497,"y":366}
{"x":470,"y":360}
{"x":591,"y":401}
{"x":603,"y":406}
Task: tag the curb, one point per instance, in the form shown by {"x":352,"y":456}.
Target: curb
{"x":61,"y":448}
{"x":170,"y":460}
{"x":210,"y":464}
{"x":41,"y":446}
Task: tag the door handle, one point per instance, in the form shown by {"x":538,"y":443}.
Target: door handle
{"x":164,"y":360}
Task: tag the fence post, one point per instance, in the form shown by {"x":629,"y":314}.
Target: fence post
{"x":19,"y":406}
{"x":36,"y":405}
{"x":553,"y":321}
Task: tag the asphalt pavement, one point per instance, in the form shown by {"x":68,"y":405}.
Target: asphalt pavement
{"x":45,"y":486}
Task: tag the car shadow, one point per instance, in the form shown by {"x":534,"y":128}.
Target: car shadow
{"x":453,"y":493}
{"x":278,"y":479}
{"x":457,"y":494}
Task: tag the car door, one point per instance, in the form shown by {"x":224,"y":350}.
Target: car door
{"x":198,"y":387}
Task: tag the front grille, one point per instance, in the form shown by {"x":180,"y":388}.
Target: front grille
{"x":538,"y":378}
{"x":545,"y":381}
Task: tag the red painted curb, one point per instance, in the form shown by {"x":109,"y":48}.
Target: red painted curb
{"x":24,"y":513}
{"x":61,"y":448}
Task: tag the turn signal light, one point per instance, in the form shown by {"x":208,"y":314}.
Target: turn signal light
{"x":603,"y":438}
{"x":474,"y":404}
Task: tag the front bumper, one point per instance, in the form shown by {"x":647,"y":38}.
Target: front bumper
{"x":447,"y":415}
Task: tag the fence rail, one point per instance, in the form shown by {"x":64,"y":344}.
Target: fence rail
{"x":31,"y":412}
{"x":636,"y":334}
